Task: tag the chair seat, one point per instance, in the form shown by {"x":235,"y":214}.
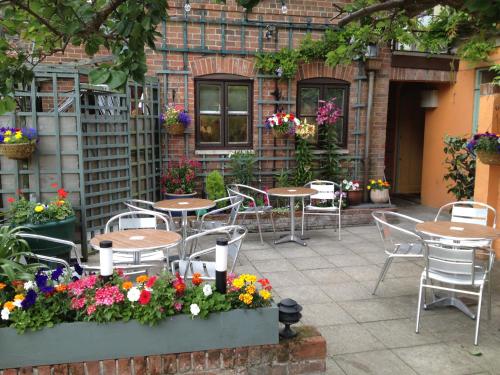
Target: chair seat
{"x":310,"y":207}
{"x":251,"y":210}
{"x":457,"y":279}
{"x":409,"y":249}
{"x":206,"y":269}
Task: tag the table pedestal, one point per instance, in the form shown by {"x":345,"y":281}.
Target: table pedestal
{"x":291,"y":237}
{"x":451,"y":301}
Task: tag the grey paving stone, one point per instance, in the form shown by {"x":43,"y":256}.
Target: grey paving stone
{"x":296,"y":252}
{"x":394,"y":287}
{"x":361,"y":273}
{"x":287,"y":278}
{"x":349,"y":338}
{"x":273,"y":265}
{"x":380,"y":362}
{"x":327,"y":249}
{"x":325,"y":314}
{"x":348,"y":291}
{"x":265,"y":254}
{"x":404,"y":269}
{"x":311,"y":263}
{"x":364,"y":246}
{"x":372,"y":310}
{"x":304,"y":294}
{"x":327,"y":276}
{"x":351,"y":259}
{"x":332,"y":368}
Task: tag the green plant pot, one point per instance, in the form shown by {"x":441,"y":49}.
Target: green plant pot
{"x":64,"y":230}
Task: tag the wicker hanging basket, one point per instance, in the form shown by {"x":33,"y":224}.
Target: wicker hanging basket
{"x":176,"y":129}
{"x":492,"y":158}
{"x":17,"y":151}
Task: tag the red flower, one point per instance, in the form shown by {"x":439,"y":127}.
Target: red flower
{"x":11,"y":200}
{"x":196,"y":280}
{"x":62,"y":193}
{"x":145,"y":297}
{"x":151,"y":281}
{"x":292,"y":116}
{"x":53,"y":185}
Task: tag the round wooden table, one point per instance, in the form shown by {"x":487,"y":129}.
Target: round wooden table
{"x":458,"y":230}
{"x":183,"y":205}
{"x":136,"y":241}
{"x":292,"y":193}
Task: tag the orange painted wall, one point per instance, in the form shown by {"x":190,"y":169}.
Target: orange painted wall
{"x":453,"y":116}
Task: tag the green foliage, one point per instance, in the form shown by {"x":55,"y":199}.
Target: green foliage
{"x":283,"y":179}
{"x":303,"y":162}
{"x":12,"y":250}
{"x":241,"y":164}
{"x":496,"y":69}
{"x":461,"y":166}
{"x":332,"y":169}
{"x":286,"y":59}
{"x":215,"y":187}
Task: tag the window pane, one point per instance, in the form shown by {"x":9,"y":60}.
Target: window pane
{"x":308,"y":97}
{"x":210,"y":129}
{"x":237,"y":129}
{"x":337,"y":93}
{"x":210,"y":99}
{"x":237,"y":97}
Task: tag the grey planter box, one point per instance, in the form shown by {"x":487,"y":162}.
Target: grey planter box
{"x":82,"y":341}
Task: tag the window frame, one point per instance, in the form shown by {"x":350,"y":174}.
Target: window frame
{"x":323,"y":84}
{"x":224,"y":81}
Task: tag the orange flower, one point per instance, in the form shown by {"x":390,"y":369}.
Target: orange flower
{"x":2,"y":286}
{"x":141,"y":279}
{"x":9,"y":305}
{"x":127,"y":285}
{"x":61,"y":288}
{"x":197,"y":280}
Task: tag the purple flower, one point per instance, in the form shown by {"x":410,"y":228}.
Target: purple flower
{"x":184,"y":118}
{"x":41,"y":280}
{"x":162,"y":118}
{"x":29,"y":300}
{"x":47,"y":289}
{"x":78,"y":269}
{"x":56,"y":273}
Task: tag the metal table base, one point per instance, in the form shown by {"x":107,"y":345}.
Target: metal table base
{"x":292,"y":237}
{"x":451,"y":301}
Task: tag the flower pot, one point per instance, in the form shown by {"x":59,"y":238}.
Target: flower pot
{"x":175,"y":129}
{"x":355,"y":197}
{"x":379,"y":196}
{"x":17,"y":151}
{"x":179,"y":196}
{"x":63,"y":229}
{"x":492,"y":158}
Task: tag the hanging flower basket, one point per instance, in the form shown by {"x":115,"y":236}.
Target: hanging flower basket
{"x":17,"y":151}
{"x":282,"y":124}
{"x":492,"y":158}
{"x":175,"y":129}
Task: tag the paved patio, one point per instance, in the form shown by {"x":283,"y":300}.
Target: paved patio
{"x":369,"y":334}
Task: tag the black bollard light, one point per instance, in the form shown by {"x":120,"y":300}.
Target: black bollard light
{"x":289,"y":313}
{"x":106,"y":259}
{"x":221,"y":265}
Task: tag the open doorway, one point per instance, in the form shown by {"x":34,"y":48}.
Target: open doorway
{"x":405,"y":138}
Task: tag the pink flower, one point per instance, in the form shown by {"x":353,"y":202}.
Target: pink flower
{"x":77,"y":303}
{"x":91,"y":309}
{"x":151,"y":281}
{"x":76,"y":288}
{"x":108,"y":295}
{"x":178,"y":306}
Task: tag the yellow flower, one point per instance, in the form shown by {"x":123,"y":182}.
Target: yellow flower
{"x":249,"y":278}
{"x":379,"y":181}
{"x":9,"y":305}
{"x":368,"y":187}
{"x":238,"y":283}
{"x":18,"y":136}
{"x":246,"y":298}
{"x":6,"y":139}
{"x":141,"y":279}
{"x":18,"y":297}
{"x":8,"y":132}
{"x":39,"y":208}
{"x":265,"y":294}
{"x":372,"y":181}
{"x":251,"y":289}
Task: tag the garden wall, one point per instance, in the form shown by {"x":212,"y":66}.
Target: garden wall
{"x":303,"y":355}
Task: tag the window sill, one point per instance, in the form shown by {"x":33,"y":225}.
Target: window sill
{"x":222,"y":152}
{"x":342,"y":151}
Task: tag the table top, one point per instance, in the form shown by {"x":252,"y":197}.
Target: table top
{"x":458,"y":230}
{"x":184,"y":204}
{"x":137,"y":239}
{"x":292,"y":192}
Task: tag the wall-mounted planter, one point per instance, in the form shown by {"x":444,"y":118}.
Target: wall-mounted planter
{"x":82,"y":341}
{"x":491,"y":158}
{"x":17,"y":151}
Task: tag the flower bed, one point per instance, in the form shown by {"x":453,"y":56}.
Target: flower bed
{"x":154,"y":315}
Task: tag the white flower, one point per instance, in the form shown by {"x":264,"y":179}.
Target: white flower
{"x":133,"y":294}
{"x":297,"y":121}
{"x":285,"y":119}
{"x":29,"y":285}
{"x":207,"y":290}
{"x":195,"y":309}
{"x":17,"y":303}
{"x":5,"y":313}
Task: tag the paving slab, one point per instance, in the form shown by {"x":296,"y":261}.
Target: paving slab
{"x":380,"y":362}
{"x":349,"y":338}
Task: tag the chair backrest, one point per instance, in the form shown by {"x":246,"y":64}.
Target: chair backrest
{"x":469,"y":212}
{"x":326,"y":189}
{"x":233,"y":207}
{"x":392,"y":234}
{"x":136,"y":220}
{"x":235,"y":235}
{"x":139,"y":205}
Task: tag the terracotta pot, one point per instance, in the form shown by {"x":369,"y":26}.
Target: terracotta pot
{"x":355,"y":197}
{"x":379,"y":196}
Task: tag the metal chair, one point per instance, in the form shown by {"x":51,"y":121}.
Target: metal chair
{"x":399,"y":241}
{"x":142,"y":205}
{"x":245,"y":191}
{"x":139,"y":220}
{"x":461,"y":269}
{"x":128,"y":269}
{"x":212,"y":219}
{"x":329,"y":192}
{"x":194,"y":263}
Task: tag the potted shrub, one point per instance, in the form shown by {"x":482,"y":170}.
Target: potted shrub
{"x":353,"y":190}
{"x":282,"y":123}
{"x":178,"y":179}
{"x":379,"y":191}
{"x":486,"y":146}
{"x":55,"y":218}
{"x":17,"y":143}
{"x":215,"y":187}
{"x":175,"y":120}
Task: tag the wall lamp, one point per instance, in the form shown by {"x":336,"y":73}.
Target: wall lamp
{"x":284,"y":8}
{"x":187,"y":6}
{"x":270,"y":30}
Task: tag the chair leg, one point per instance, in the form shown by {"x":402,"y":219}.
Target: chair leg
{"x":272,"y":223}
{"x":387,"y":263}
{"x":478,"y":314}
{"x":389,"y":260}
{"x":340,"y":226}
{"x":489,"y":296}
{"x":419,"y":305}
{"x":303,"y":218}
{"x":258,"y":226}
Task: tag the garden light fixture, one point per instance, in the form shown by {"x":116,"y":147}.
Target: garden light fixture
{"x":221,"y":265}
{"x":106,"y":259}
{"x":187,"y":7}
{"x":284,"y":8}
{"x":289,"y":313}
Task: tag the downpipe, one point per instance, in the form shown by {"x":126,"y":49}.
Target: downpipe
{"x":369,"y":106}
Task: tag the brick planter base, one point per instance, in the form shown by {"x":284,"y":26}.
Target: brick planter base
{"x":304,"y":354}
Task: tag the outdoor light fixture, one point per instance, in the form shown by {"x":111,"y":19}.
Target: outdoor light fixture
{"x":371,"y":50}
{"x":187,"y":7}
{"x":106,"y":259}
{"x":270,"y":29}
{"x":284,"y":8}
{"x":221,"y":251}
{"x":289,"y":313}
{"x":279,"y":72}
